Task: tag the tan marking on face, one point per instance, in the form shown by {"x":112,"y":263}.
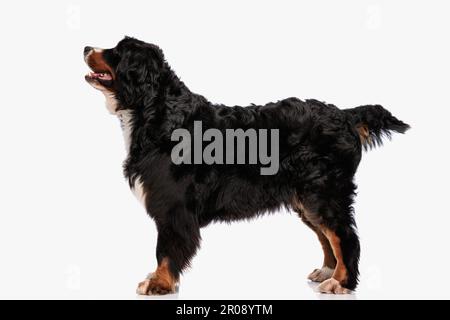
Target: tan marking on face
{"x":96,"y":62}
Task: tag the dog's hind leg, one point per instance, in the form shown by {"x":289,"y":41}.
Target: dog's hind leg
{"x":329,"y":261}
{"x":178,"y":240}
{"x":331,"y":212}
{"x":345,"y":245}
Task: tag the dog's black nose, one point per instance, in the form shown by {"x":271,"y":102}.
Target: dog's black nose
{"x":87,"y":50}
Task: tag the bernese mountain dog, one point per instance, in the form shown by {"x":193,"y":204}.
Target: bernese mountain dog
{"x":319,"y":148}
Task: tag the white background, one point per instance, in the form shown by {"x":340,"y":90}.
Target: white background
{"x":70,"y":227}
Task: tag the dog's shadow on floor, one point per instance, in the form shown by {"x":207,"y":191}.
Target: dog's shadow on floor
{"x":326,"y":296}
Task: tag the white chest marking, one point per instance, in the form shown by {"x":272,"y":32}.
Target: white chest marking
{"x":138,"y":190}
{"x":127,"y":129}
{"x":111,"y":102}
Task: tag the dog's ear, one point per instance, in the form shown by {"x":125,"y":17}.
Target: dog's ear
{"x":138,"y":76}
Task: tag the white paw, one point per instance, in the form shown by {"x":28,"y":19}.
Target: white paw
{"x":319,"y":275}
{"x":153,"y":285}
{"x":332,"y":286}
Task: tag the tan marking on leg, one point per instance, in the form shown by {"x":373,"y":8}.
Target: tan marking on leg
{"x":329,"y":261}
{"x":328,"y":257}
{"x":339,"y":278}
{"x":160,"y":282}
{"x":340,"y":272}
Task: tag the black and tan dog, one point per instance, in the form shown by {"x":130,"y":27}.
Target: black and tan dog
{"x":319,"y":148}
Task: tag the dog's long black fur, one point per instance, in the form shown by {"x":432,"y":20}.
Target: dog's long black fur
{"x":319,"y":150}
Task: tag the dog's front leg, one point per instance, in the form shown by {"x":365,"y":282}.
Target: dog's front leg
{"x":178,"y":240}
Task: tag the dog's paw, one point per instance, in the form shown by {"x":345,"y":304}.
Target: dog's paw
{"x":319,"y":275}
{"x":155,"y":286}
{"x":332,"y":286}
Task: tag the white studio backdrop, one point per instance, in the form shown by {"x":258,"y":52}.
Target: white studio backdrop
{"x":70,"y":227}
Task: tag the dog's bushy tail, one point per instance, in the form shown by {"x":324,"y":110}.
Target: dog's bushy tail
{"x":373,"y":123}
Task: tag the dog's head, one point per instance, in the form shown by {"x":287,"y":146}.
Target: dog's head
{"x":131,"y":71}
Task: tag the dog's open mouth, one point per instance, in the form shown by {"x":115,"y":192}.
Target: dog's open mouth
{"x":102,"y":77}
{"x":99,"y":75}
